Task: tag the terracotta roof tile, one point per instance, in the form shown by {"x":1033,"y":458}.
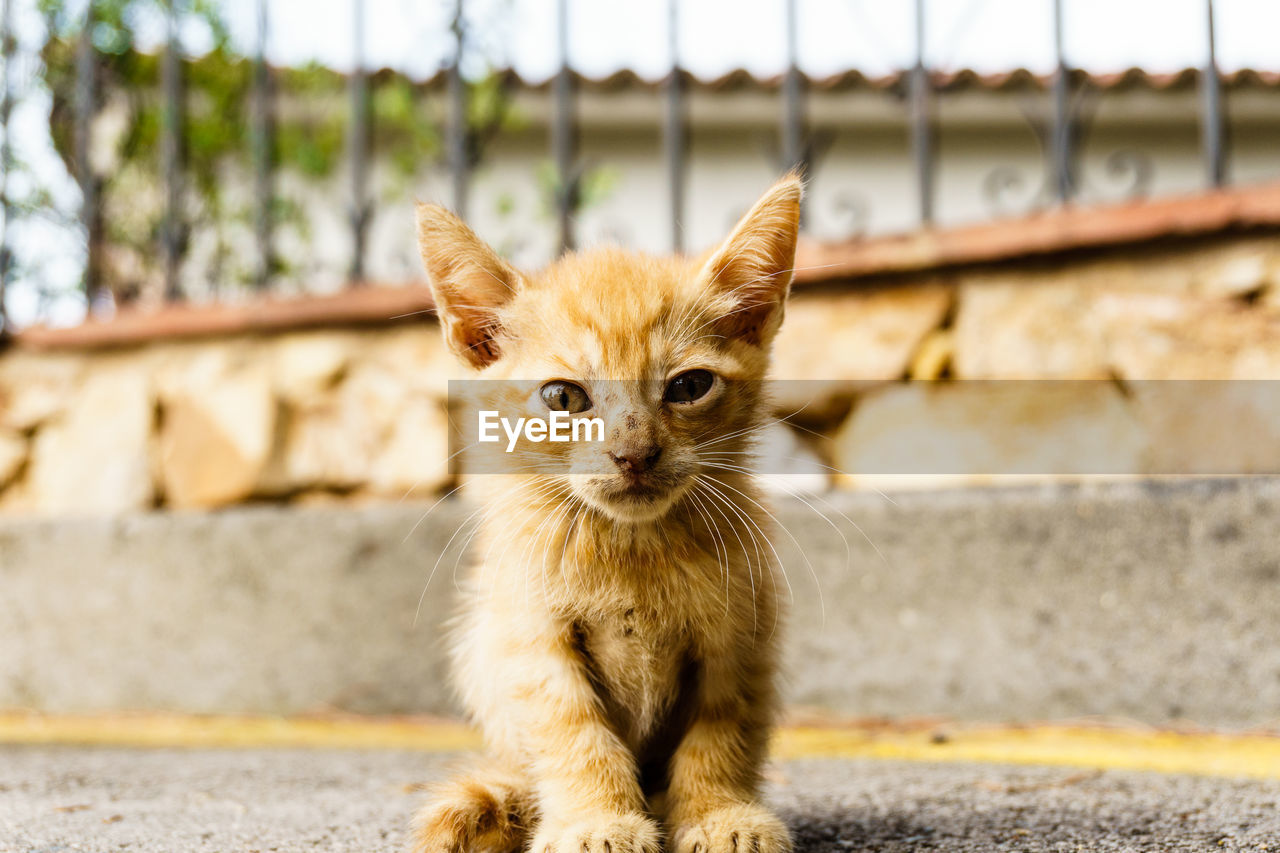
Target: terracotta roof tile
{"x":354,"y":307}
{"x":964,"y":79}
{"x":1066,"y":230}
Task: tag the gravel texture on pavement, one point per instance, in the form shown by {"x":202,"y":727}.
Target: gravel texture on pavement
{"x":178,"y":800}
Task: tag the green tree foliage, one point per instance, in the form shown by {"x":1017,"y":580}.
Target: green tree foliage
{"x":309,"y":139}
{"x":310,"y":134}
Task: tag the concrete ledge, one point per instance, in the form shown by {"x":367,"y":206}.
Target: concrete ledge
{"x":1153,"y":602}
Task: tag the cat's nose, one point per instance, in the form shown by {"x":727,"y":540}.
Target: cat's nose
{"x":636,"y":460}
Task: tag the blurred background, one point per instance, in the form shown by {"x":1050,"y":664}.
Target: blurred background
{"x":1041,"y":248}
{"x":210,"y":150}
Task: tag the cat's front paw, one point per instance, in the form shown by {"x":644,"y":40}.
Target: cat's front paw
{"x":467,"y":819}
{"x":613,"y":833}
{"x":745,"y":828}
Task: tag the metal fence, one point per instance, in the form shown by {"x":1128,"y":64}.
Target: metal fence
{"x":1061,"y":181}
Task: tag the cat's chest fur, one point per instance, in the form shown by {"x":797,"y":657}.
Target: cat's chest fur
{"x":637,"y":658}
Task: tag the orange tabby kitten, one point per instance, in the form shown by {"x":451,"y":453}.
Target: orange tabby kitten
{"x":617,"y":643}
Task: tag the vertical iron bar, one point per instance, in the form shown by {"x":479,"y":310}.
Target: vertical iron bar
{"x":922,"y":121}
{"x":1060,"y":145}
{"x":793,"y":154}
{"x":90,"y":216}
{"x":674,"y":138}
{"x":171,"y":154}
{"x":358,"y":143}
{"x":263,"y":136}
{"x":563,"y":135}
{"x":6,"y":156}
{"x":458,"y":155}
{"x":1212,"y":120}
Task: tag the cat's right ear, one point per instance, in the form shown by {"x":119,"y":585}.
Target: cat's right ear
{"x":754,"y":266}
{"x":469,"y":283}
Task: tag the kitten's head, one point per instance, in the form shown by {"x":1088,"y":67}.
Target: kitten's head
{"x":669,"y":353}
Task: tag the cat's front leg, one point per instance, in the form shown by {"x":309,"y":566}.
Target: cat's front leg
{"x":713,"y":804}
{"x":584,"y":776}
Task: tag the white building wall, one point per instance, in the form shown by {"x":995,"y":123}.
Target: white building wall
{"x":863,"y":182}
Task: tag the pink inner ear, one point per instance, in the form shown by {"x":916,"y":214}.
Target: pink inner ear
{"x":754,"y":268}
{"x":752,"y":320}
{"x":470,"y":283}
{"x":473,"y":335}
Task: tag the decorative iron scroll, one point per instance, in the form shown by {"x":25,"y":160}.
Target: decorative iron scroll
{"x":1126,"y":173}
{"x":854,"y":210}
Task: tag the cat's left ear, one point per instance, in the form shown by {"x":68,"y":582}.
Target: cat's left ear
{"x":755,"y":264}
{"x":469,"y":282}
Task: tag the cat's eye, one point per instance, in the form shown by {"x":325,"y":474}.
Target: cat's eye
{"x":561,"y":396}
{"x":689,"y":386}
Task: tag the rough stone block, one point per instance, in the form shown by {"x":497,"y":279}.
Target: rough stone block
{"x":1181,"y":337}
{"x":96,"y":457}
{"x":838,"y":344}
{"x":1017,"y":327}
{"x":217,"y":440}
{"x":13,"y":453}
{"x":35,"y":387}
{"x":332,"y":441}
{"x":414,"y":458}
{"x":305,"y":366}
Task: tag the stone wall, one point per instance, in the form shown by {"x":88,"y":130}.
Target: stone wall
{"x":359,"y":413}
{"x":1205,"y":309}
{"x":225,"y":420}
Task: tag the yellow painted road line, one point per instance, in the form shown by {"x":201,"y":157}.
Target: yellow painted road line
{"x":1102,"y":748}
{"x":1256,"y":756}
{"x":163,"y":730}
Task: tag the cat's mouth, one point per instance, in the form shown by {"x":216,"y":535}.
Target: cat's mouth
{"x":635,"y":496}
{"x":637,"y":487}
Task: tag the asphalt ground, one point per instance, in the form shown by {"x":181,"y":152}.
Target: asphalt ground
{"x":260,"y":796}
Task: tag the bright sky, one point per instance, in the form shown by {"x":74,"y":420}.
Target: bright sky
{"x":873,"y":35}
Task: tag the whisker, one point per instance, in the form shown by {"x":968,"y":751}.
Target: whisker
{"x":431,"y":310}
{"x":796,"y":494}
{"x":783,"y":527}
{"x":421,"y":597}
{"x":569,"y":532}
{"x":418,"y":523}
{"x":848,"y":551}
{"x":733,"y":529}
{"x":750,"y":577}
{"x":811,"y":460}
{"x":763,"y":566}
{"x":531,"y":544}
{"x":533,"y":503}
{"x":706,"y":520}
